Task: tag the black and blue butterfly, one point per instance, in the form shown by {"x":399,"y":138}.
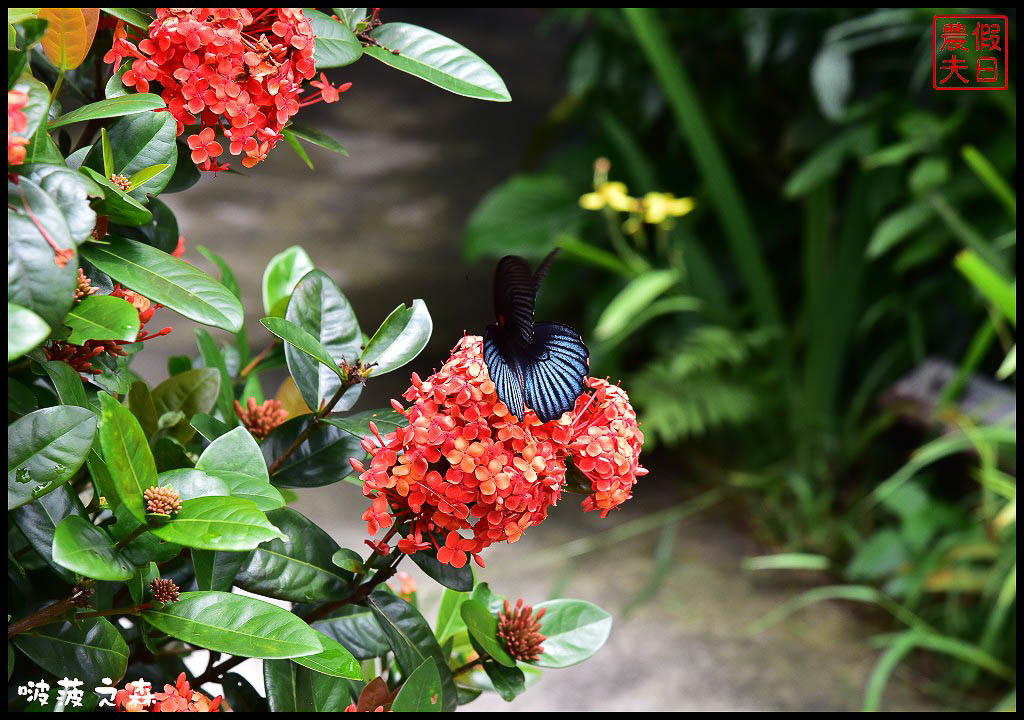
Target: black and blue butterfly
{"x":539,"y":365}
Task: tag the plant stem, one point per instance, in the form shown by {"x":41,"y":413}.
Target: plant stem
{"x":314,"y":423}
{"x":51,"y":613}
{"x":123,"y":542}
{"x":130,"y":610}
{"x":257,"y":360}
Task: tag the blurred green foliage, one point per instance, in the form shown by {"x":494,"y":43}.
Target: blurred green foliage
{"x":850,"y":222}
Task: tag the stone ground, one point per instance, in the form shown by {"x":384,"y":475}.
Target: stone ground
{"x":386,"y":224}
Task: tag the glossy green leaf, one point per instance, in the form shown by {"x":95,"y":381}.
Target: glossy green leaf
{"x":67,"y":383}
{"x":132,"y":16}
{"x":193,"y":483}
{"x":399,"y":339}
{"x":279,"y":684}
{"x":117,"y":205}
{"x":83,"y":548}
{"x":316,"y":692}
{"x":168,"y":281}
{"x":190,"y":392}
{"x":140,"y":141}
{"x":126,"y":454}
{"x":349,"y":560}
{"x":112,"y":107}
{"x":146,"y":174}
{"x":282,"y":274}
{"x":336,"y":45}
{"x":318,"y":138}
{"x":357,"y":630}
{"x":298,"y":568}
{"x":318,"y":306}
{"x":575,"y":630}
{"x":460,"y":579}
{"x":412,"y":640}
{"x":25,"y":330}
{"x":217,"y":570}
{"x":209,"y":427}
{"x":91,"y":647}
{"x":302,"y":340}
{"x":633,"y":299}
{"x":102,"y":317}
{"x":45,"y":449}
{"x":507,"y":681}
{"x":321,"y":459}
{"x":214,"y":358}
{"x":218,"y":523}
{"x":235,"y":625}
{"x":358,"y":424}
{"x":70,"y":192}
{"x":438,"y":60}
{"x":236,"y":459}
{"x":483,"y":626}
{"x":333,"y":660}
{"x":421,"y":691}
{"x":39,"y":519}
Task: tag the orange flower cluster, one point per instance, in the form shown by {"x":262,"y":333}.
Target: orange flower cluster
{"x":16,"y":123}
{"x":464,"y":464}
{"x":180,"y":697}
{"x":235,"y":71}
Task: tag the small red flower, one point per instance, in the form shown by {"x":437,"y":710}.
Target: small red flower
{"x":17,"y":122}
{"x":180,"y":697}
{"x":204,"y":146}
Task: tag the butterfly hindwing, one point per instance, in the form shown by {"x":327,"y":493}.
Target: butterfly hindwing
{"x":504,"y":373}
{"x":554,"y":370}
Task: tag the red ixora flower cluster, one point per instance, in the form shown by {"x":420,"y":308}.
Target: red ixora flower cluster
{"x":180,"y":697}
{"x":16,"y":123}
{"x":80,"y":357}
{"x":464,"y":464}
{"x":233,"y":71}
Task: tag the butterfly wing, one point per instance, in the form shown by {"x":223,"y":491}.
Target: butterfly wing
{"x":514,"y":297}
{"x":504,"y":372}
{"x":554,"y":370}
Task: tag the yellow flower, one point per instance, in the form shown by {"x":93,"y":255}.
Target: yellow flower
{"x":658,"y":207}
{"x":609,"y":194}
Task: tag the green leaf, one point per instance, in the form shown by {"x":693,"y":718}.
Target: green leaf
{"x":141,"y":405}
{"x":144,"y":175}
{"x":302,"y":340}
{"x":318,"y":138}
{"x":236,"y":459}
{"x":235,"y":625}
{"x":217,"y":570}
{"x":209,"y":427}
{"x":316,"y":692}
{"x":70,"y":192}
{"x":438,"y":60}
{"x":169,"y":281}
{"x":299,"y":566}
{"x":193,"y":483}
{"x":358,"y":424}
{"x":321,"y":460}
{"x":633,"y":299}
{"x":91,"y":647}
{"x":38,"y":520}
{"x":421,"y":691}
{"x":282,"y":274}
{"x":45,"y":449}
{"x":112,"y":107}
{"x":336,"y":45}
{"x":214,"y":358}
{"x":132,"y":16}
{"x":508,"y":682}
{"x":218,"y":523}
{"x":34,"y":280}
{"x":126,"y":454}
{"x":460,"y":579}
{"x":140,"y":141}
{"x":349,"y":560}
{"x":117,"y":205}
{"x":411,"y":640}
{"x":449,"y":621}
{"x":357,"y":630}
{"x":102,"y":317}
{"x":988,"y":281}
{"x":25,"y":330}
{"x":319,"y":307}
{"x":190,"y":392}
{"x":333,"y":660}
{"x":523,"y":215}
{"x":575,"y":630}
{"x":399,"y":339}
{"x":67,"y":383}
{"x":81,"y":547}
{"x":483,"y":626}
{"x":279,"y":683}
{"x":107,"y":153}
{"x":293,"y":143}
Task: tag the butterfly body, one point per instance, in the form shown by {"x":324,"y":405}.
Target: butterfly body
{"x":540,"y":365}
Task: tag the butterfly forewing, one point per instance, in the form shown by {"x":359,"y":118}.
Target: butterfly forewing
{"x":514,"y":298}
